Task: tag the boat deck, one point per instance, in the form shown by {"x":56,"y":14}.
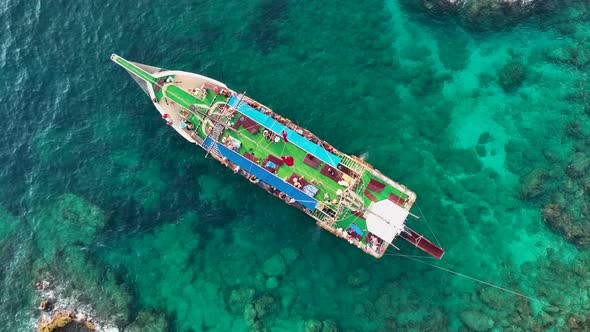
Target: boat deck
{"x":337,"y":190}
{"x":258,"y":147}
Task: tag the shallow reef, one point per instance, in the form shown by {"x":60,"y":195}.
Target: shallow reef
{"x":484,"y":15}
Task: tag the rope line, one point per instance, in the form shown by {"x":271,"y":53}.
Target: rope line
{"x":489,"y":284}
{"x":428,"y":224}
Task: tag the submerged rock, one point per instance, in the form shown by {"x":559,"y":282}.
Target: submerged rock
{"x":358,"y":278}
{"x":148,"y":321}
{"x":483,"y":14}
{"x":312,"y":325}
{"x":477,"y":320}
{"x":511,"y":76}
{"x":555,"y":216}
{"x":329,"y":326}
{"x":575,"y":230}
{"x":290,"y":255}
{"x":578,"y":165}
{"x":238,"y":298}
{"x":263,"y":305}
{"x":532,"y":184}
{"x":254,"y":313}
{"x":315,"y":325}
{"x":275,"y":266}
{"x":67,"y":221}
{"x":272,"y":283}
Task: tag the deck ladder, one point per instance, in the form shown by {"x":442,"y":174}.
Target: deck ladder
{"x":353,"y":165}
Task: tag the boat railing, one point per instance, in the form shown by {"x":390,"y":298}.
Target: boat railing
{"x":214,"y":150}
{"x":319,"y":214}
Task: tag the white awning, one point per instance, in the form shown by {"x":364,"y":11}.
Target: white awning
{"x":386,"y":219}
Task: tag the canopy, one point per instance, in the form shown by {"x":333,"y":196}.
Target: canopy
{"x":290,"y":135}
{"x":386,"y":219}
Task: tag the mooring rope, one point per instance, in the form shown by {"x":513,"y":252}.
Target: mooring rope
{"x":428,"y":224}
{"x":487,"y":284}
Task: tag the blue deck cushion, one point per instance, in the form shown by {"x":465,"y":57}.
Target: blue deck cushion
{"x":263,"y":175}
{"x":357,"y":229}
{"x":310,"y":190}
{"x":277,"y":128}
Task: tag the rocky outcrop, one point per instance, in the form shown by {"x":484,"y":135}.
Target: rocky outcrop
{"x":64,"y":321}
{"x":578,"y":165}
{"x":255,"y":313}
{"x":575,"y":230}
{"x":64,"y":313}
{"x":61,"y":229}
{"x":314,"y":325}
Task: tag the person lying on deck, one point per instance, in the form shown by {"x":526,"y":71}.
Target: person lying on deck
{"x":227,"y":141}
{"x":331,"y":171}
{"x":314,"y":181}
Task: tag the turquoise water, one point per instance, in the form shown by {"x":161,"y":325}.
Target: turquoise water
{"x":488,"y":127}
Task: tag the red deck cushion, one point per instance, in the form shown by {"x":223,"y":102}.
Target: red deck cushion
{"x":396,"y":199}
{"x":376,"y":186}
{"x":370,"y":195}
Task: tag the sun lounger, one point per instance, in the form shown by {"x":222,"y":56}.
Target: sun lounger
{"x":272,"y":163}
{"x":311,"y":160}
{"x":306,"y":187}
{"x":331,"y":172}
{"x":396,"y":199}
{"x":358,"y":214}
{"x":248,"y":124}
{"x":376,"y":186}
{"x":251,"y":157}
{"x":370,"y":196}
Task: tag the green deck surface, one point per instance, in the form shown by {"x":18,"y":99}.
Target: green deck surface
{"x":261,"y":147}
{"x":136,"y":70}
{"x":180,"y":96}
